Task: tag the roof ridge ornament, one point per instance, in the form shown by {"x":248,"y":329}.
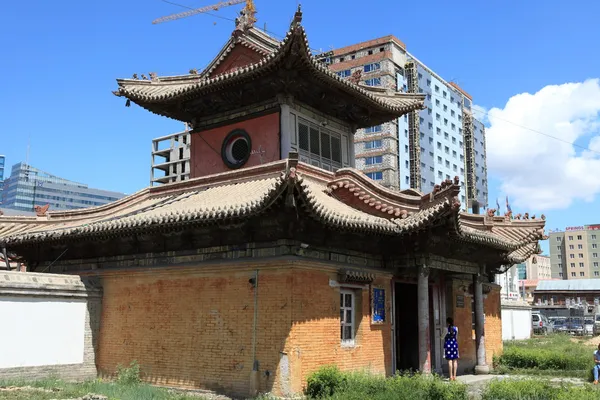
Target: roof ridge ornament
{"x":246,"y":19}
{"x":297,"y":16}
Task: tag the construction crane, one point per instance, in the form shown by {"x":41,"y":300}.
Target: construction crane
{"x":249,"y":10}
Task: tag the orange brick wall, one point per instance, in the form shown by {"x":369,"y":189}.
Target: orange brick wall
{"x":194,"y":328}
{"x":462,"y":319}
{"x":315,"y":336}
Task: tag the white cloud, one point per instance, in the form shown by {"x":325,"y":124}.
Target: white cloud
{"x":537,"y":172}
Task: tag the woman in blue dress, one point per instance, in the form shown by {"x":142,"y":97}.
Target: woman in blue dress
{"x":451,"y":348}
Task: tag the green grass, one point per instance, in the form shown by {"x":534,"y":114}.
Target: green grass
{"x":554,"y":355}
{"x":331,"y":384}
{"x":65,"y":390}
{"x":529,"y":389}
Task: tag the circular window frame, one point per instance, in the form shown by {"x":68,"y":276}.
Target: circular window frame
{"x":228,"y":142}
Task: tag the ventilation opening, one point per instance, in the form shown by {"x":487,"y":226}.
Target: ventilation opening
{"x":236,"y":148}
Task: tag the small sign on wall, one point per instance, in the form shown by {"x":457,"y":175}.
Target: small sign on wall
{"x":460,"y":301}
{"x":377,"y":306}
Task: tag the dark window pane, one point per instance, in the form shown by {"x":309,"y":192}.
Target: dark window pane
{"x":303,"y":136}
{"x":314,"y":141}
{"x":336,"y":149}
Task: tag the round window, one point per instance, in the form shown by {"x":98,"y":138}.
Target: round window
{"x":236,"y":148}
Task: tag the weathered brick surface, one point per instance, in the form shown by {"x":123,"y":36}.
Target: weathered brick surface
{"x":463,"y":320}
{"x":195,"y":329}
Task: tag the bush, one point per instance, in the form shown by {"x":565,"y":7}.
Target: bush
{"x":329,"y":383}
{"x":325,"y":382}
{"x":527,"y":389}
{"x":128,"y":375}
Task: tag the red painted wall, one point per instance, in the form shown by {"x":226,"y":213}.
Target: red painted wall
{"x":206,"y":145}
{"x":239,"y":57}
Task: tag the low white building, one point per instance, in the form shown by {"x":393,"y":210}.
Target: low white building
{"x":509,"y":281}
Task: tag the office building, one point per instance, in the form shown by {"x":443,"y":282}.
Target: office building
{"x":509,"y":283}
{"x":2,"y":161}
{"x":536,"y":267}
{"x":170,"y":158}
{"x":28,"y":187}
{"x":423,"y":148}
{"x":574,"y":252}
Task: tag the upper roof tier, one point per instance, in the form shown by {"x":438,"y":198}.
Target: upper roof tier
{"x":253,"y":68}
{"x":345,"y":200}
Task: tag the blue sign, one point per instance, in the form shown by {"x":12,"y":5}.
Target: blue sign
{"x":378,"y":306}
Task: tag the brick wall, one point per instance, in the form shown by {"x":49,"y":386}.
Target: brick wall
{"x":463,"y":320}
{"x":194,"y":328}
{"x":53,"y":290}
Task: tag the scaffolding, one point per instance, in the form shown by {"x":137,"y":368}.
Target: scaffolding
{"x":414,"y":135}
{"x":470,"y":180}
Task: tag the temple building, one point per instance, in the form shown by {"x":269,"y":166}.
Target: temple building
{"x":277,"y":257}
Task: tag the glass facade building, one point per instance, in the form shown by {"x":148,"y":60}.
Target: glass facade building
{"x":28,"y":187}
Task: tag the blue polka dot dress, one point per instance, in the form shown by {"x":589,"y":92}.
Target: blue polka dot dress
{"x":451,"y":344}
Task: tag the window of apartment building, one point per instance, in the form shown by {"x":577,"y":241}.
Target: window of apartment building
{"x":571,"y":247}
{"x":570,"y":237}
{"x":460,"y":119}
{"x":423,"y":181}
{"x":582,"y":273}
{"x":571,"y":255}
{"x":423,"y":165}
{"x":445,"y":94}
{"x":376,"y":176}
{"x":353,"y":57}
{"x":406,"y":163}
{"x":406,"y":133}
{"x":373,"y":82}
{"x":437,"y":89}
{"x":595,"y":264}
{"x":454,"y":153}
{"x":445,"y":107}
{"x":370,"y":52}
{"x":429,"y":111}
{"x":581,"y":265}
{"x":421,"y":133}
{"x":430,"y":126}
{"x":406,"y":148}
{"x":437,"y":102}
{"x":580,"y":246}
{"x":374,"y":129}
{"x":573,"y":274}
{"x":578,"y":237}
{"x":462,"y":170}
{"x":420,"y":75}
{"x":593,"y":237}
{"x":558,"y":239}
{"x":446,"y":135}
{"x":447,"y":164}
{"x":462,"y":158}
{"x":374,"y":160}
{"x":452,"y":113}
{"x":460,"y":144}
{"x":407,"y":179}
{"x":580,"y":255}
{"x":431,"y":169}
{"x":430,"y":140}
{"x":453,"y":127}
{"x":345,"y":73}
{"x":437,"y":117}
{"x":594,"y":246}
{"x":428,"y":96}
{"x":454,"y":167}
{"x":341,"y":59}
{"x":439,"y":160}
{"x":428,"y":82}
{"x":445,"y":121}
{"x":440,"y":174}
{"x":559,"y":265}
{"x":594,"y":255}
{"x":446,"y":149}
{"x":431,"y":152}
{"x":560,"y":274}
{"x":373,"y":144}
{"x":572,"y":265}
{"x":439,"y":145}
{"x":560,"y":256}
{"x":447,"y":176}
{"x":347,"y":316}
{"x":438,"y":131}
{"x":453,"y":140}
{"x":559,"y":248}
{"x":372,"y":67}
{"x":596,"y":273}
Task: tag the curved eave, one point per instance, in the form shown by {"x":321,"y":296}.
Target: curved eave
{"x":194,"y":85}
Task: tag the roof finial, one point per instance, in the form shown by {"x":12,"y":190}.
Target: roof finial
{"x":298,"y":15}
{"x":247,"y":17}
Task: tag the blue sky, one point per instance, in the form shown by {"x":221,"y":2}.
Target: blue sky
{"x":61,"y":59}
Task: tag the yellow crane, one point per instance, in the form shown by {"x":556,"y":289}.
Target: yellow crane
{"x":249,"y":11}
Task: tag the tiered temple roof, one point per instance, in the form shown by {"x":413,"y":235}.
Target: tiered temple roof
{"x":272,"y":68}
{"x":345,"y":200}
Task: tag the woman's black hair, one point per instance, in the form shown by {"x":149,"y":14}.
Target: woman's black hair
{"x":450,"y":321}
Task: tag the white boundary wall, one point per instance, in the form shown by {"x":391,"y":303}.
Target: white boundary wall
{"x":516,"y":320}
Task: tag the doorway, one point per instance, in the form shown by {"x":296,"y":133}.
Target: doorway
{"x":407,"y":327}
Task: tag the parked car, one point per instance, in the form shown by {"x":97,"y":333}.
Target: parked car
{"x":575,"y":325}
{"x":588,"y":326}
{"x":560,"y":325}
{"x":596,"y":325}
{"x":540,"y":324}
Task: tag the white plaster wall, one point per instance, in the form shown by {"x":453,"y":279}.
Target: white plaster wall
{"x":36,"y":332}
{"x":516,"y":323}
